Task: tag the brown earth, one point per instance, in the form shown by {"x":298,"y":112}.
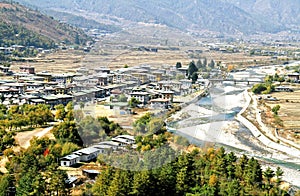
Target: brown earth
{"x":289,"y":113}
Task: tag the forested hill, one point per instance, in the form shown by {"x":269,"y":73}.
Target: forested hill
{"x":23,"y":26}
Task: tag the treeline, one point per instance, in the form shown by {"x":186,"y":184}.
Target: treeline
{"x":211,"y":173}
{"x":35,"y":171}
{"x":17,"y":117}
{"x":77,"y":128}
{"x":267,"y":87}
{"x":18,"y":35}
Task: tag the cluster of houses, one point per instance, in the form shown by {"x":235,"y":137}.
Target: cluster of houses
{"x":121,"y":142}
{"x":153,"y":87}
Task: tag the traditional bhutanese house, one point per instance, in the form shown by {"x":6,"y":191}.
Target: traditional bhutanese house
{"x":167,"y":95}
{"x":64,"y":99}
{"x":63,"y":89}
{"x":158,"y":75}
{"x":143,"y":77}
{"x":102,"y":79}
{"x":33,"y":86}
{"x":69,"y":160}
{"x":283,"y":89}
{"x":4,"y":69}
{"x":36,"y":101}
{"x":115,"y":92}
{"x":294,"y":76}
{"x":51,"y":100}
{"x":183,"y":70}
{"x":21,"y":87}
{"x":48,"y":90}
{"x":142,"y":97}
{"x":102,"y":70}
{"x":159,"y":103}
{"x":46,"y":75}
{"x":65,"y":78}
{"x":8,"y":91}
{"x":27,"y":69}
{"x":186,"y":83}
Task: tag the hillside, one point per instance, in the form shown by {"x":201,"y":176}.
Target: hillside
{"x":280,"y":12}
{"x":82,"y":22}
{"x":222,"y":16}
{"x":20,"y":25}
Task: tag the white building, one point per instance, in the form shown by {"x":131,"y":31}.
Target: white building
{"x":69,"y":160}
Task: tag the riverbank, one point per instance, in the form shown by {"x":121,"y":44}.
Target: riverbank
{"x":213,"y":121}
{"x":281,"y":152}
{"x":261,"y":136}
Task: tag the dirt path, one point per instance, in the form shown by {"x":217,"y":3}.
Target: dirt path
{"x":23,"y":138}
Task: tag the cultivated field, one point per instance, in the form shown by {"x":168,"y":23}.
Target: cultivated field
{"x":289,"y":113}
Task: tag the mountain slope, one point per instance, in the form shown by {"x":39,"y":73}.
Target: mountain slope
{"x":225,"y":16}
{"x":25,"y":22}
{"x":275,"y":11}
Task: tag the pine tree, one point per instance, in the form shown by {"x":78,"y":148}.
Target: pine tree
{"x":192,"y":68}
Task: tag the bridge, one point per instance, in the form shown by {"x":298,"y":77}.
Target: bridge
{"x":235,"y":81}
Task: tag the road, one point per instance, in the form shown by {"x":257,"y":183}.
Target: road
{"x":23,"y":138}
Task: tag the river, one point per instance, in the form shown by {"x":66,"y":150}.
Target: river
{"x":211,"y":121}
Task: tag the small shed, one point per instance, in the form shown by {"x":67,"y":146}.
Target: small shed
{"x":92,"y":174}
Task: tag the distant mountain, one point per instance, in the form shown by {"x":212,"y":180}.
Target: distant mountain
{"x":281,"y":12}
{"x":24,"y":26}
{"x":222,"y":16}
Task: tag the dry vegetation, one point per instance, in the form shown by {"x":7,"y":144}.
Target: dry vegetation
{"x":289,"y":113}
{"x":61,"y":61}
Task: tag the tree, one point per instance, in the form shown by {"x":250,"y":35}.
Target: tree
{"x":120,"y":184}
{"x":258,"y":88}
{"x":253,"y":173}
{"x":278,"y":175}
{"x":67,"y":131}
{"x":275,"y":109}
{"x":204,"y":62}
{"x":192,"y":68}
{"x":102,"y":183}
{"x":60,"y":113}
{"x":31,"y":183}
{"x":199,"y":64}
{"x":281,"y":79}
{"x":133,"y":102}
{"x":269,"y":79}
{"x":178,"y":65}
{"x":68,"y":148}
{"x":156,"y":125}
{"x":194,"y":77}
{"x":5,"y":183}
{"x":122,"y":98}
{"x":141,"y":184}
{"x":268,"y":174}
{"x":6,"y":139}
{"x":81,"y":104}
{"x":212,"y":64}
